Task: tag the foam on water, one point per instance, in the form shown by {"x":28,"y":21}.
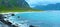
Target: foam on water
{"x":42,"y":19}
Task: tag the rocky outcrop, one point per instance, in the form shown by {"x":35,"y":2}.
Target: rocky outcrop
{"x":6,"y":22}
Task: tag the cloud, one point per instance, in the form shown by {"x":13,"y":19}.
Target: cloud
{"x":32,"y":3}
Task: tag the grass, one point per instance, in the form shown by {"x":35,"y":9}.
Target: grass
{"x":16,"y":9}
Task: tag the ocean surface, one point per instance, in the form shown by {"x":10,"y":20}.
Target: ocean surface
{"x":40,"y":19}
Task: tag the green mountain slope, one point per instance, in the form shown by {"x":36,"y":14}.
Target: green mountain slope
{"x":14,"y":6}
{"x":13,"y":3}
{"x":3,"y":10}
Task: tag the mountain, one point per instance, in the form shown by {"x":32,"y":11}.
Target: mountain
{"x":49,"y":7}
{"x":15,"y":6}
{"x":14,"y":3}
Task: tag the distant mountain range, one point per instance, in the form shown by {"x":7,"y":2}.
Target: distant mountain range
{"x":48,"y":7}
{"x":14,"y":3}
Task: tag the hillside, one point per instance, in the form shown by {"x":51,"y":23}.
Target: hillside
{"x":15,"y":6}
{"x":14,"y":3}
{"x":16,"y":9}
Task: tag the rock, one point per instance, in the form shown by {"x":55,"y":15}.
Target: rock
{"x":12,"y":14}
{"x":1,"y":17}
{"x":6,"y":22}
{"x":31,"y":26}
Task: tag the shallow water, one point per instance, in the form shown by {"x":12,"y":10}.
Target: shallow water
{"x":41,"y":19}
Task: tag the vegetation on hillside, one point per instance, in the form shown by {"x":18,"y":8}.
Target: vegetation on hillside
{"x":15,"y":6}
{"x":16,"y":9}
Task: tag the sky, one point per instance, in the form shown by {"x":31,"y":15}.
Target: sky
{"x":33,"y":3}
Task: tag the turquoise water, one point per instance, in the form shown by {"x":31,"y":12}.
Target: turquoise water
{"x":41,"y":19}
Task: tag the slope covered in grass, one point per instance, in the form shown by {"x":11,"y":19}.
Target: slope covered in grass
{"x":16,"y":9}
{"x":15,"y":6}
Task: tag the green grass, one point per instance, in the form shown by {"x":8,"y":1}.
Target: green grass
{"x":16,"y":9}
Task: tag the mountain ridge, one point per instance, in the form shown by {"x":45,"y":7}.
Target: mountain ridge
{"x":14,"y":3}
{"x":48,"y":7}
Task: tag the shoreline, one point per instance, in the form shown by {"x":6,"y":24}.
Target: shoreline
{"x":28,"y":12}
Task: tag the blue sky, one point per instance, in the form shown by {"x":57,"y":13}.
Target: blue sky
{"x":32,"y":3}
